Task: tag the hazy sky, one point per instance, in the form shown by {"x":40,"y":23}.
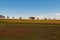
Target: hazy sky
{"x":26,"y":8}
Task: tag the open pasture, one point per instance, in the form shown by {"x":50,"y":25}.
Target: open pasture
{"x":18,"y":21}
{"x":29,"y":31}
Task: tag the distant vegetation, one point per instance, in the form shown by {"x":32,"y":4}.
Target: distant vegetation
{"x":17,"y":21}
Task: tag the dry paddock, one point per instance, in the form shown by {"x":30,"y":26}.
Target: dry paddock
{"x":29,"y":31}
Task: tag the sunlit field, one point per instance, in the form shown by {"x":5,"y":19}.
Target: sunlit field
{"x":29,"y":29}
{"x":17,"y":21}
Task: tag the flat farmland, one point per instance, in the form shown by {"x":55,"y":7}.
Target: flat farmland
{"x":29,"y":29}
{"x":29,"y":32}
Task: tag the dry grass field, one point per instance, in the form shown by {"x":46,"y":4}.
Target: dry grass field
{"x":17,"y":21}
{"x":29,"y":29}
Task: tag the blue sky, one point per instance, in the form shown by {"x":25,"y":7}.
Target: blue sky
{"x":26,"y":8}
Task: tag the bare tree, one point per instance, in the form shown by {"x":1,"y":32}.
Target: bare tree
{"x":54,"y":18}
{"x":49,"y":19}
{"x":37,"y":18}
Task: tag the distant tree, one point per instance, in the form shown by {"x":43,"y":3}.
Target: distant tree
{"x":54,"y":18}
{"x":7,"y":17}
{"x":13,"y":17}
{"x":49,"y":19}
{"x":45,"y":18}
{"x":37,"y":18}
{"x":20,"y":17}
{"x":32,"y":18}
